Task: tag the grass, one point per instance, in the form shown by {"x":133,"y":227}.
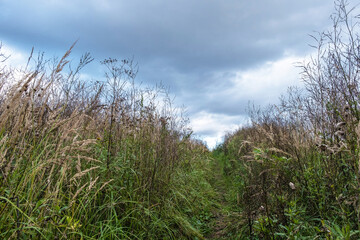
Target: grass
{"x":294,"y":170}
{"x":110,"y":160}
{"x":82,"y":159}
{"x":90,"y":160}
{"x":296,"y":166}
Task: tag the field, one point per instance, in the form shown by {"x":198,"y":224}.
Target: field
{"x":87,"y":159}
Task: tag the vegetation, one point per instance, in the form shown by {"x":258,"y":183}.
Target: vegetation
{"x":296,"y":166}
{"x":83,"y":159}
{"x":87,"y":159}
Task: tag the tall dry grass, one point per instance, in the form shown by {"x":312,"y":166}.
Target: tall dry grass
{"x":87,"y":159}
{"x":299,"y":160}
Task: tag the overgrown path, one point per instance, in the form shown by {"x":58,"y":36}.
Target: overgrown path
{"x":225,"y":215}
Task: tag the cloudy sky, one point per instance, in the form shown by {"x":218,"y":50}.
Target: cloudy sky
{"x":215,"y":55}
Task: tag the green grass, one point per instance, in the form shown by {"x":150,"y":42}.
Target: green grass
{"x":83,"y":159}
{"x":89,"y":160}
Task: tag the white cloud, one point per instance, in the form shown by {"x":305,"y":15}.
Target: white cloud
{"x":17,"y":58}
{"x":212,"y":127}
{"x":263,"y":85}
{"x":266,"y":83}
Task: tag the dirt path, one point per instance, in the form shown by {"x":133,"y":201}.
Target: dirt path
{"x":220,"y":221}
{"x":223,"y":220}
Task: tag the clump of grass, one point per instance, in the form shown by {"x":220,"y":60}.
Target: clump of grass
{"x":90,"y":159}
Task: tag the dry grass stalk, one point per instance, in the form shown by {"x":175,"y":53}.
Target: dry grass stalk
{"x":82,"y":173}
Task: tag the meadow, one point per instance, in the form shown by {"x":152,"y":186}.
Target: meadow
{"x":88,"y":159}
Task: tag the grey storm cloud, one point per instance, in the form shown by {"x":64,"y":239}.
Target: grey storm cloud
{"x":191,"y":35}
{"x":193,"y":46}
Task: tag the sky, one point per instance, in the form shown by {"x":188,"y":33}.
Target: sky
{"x":216,"y":56}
